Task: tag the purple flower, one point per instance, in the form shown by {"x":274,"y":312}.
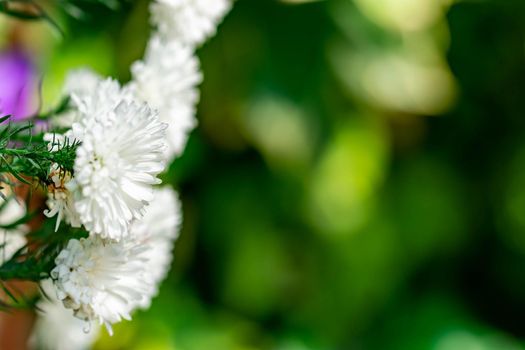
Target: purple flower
{"x":18,"y":84}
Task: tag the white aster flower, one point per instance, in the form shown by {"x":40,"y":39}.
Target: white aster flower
{"x":188,"y":21}
{"x":11,"y":242}
{"x":121,"y":153}
{"x":13,"y":239}
{"x":107,"y":280}
{"x":167,"y":80}
{"x":157,"y":232}
{"x":101,"y":280}
{"x":56,"y":328}
{"x":79,"y":82}
{"x":59,"y":197}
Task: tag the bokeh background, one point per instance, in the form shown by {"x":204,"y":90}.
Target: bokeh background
{"x":357,"y":179}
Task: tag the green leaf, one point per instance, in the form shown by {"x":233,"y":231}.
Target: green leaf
{"x":8,"y":292}
{"x":14,"y":172}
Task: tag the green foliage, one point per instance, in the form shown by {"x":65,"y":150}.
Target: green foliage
{"x":28,"y":157}
{"x":396,"y":230}
{"x":28,"y":10}
{"x":34,"y":10}
{"x":81,"y":9}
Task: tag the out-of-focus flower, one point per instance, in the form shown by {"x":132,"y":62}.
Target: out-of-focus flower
{"x":122,"y":152}
{"x":167,"y":80}
{"x":13,"y":239}
{"x":18,"y":84}
{"x":81,"y":82}
{"x":157,"y":232}
{"x":56,"y":328}
{"x":102,"y":280}
{"x":188,"y":21}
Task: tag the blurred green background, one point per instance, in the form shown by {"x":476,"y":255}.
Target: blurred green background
{"x":357,"y":179}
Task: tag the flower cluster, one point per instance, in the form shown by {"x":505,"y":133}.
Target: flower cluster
{"x":124,"y":137}
{"x":100,"y":162}
{"x":106,"y":280}
{"x":121,"y":151}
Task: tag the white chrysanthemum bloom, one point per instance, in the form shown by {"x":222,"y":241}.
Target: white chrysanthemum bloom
{"x":121,"y":153}
{"x":79,"y":82}
{"x":59,"y":198}
{"x":157,"y":232}
{"x":101,"y":280}
{"x":56,"y":328}
{"x":167,"y":80}
{"x":13,"y":239}
{"x":188,"y":21}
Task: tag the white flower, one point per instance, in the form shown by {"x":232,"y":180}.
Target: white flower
{"x":107,"y":280}
{"x":167,"y":80}
{"x":56,"y":328}
{"x":13,"y":239}
{"x":188,"y":21}
{"x":81,"y":82}
{"x":59,"y":198}
{"x":101,"y":280}
{"x":78,"y":82}
{"x":11,"y":242}
{"x":157,"y":232}
{"x":121,"y":153}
